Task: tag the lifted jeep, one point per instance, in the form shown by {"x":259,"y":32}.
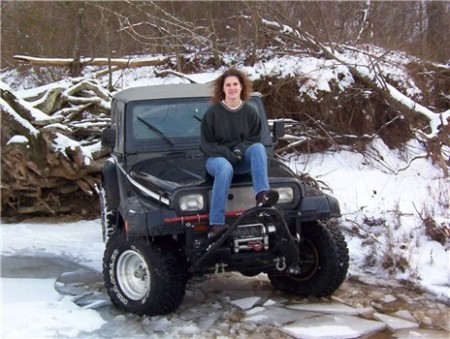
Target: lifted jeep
{"x":155,"y":198}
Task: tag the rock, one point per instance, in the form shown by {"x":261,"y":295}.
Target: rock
{"x":388,"y":298}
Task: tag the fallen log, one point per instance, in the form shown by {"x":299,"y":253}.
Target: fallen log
{"x":86,"y":61}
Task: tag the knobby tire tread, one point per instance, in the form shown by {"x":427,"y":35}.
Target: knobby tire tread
{"x":168,"y":269}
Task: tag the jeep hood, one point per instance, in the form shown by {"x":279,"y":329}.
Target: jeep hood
{"x":169,"y":172}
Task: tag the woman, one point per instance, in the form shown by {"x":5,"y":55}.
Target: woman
{"x":231,"y":139}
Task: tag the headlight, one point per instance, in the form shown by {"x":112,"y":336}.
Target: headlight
{"x":286,"y":195}
{"x":191,"y":202}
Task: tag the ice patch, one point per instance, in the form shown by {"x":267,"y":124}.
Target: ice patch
{"x":334,"y":308}
{"x":333,"y":326}
{"x":62,"y":318}
{"x":278,"y":316}
{"x":395,"y":324}
{"x":246,"y":303}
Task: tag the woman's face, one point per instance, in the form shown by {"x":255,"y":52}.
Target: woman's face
{"x":232,"y":88}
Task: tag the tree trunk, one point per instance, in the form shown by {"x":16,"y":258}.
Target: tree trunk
{"x":75,"y":70}
{"x":438,"y":21}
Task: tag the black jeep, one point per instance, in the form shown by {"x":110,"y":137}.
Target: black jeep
{"x":155,"y":199}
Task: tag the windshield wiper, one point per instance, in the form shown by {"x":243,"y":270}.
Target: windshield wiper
{"x":157,"y":131}
{"x":197,"y":118}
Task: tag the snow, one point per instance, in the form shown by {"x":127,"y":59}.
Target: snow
{"x":25,"y":123}
{"x":388,"y":208}
{"x":62,"y":142}
{"x":384,"y":194}
{"x":47,"y":314}
{"x":435,"y":119}
{"x":18,"y":139}
{"x":353,"y":179}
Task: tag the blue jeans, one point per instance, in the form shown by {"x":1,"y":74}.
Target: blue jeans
{"x":254,"y":161}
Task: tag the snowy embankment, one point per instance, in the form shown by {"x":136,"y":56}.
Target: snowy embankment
{"x":393,"y":207}
{"x":387,"y":206}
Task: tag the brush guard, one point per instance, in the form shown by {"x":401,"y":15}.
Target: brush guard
{"x":283,"y":255}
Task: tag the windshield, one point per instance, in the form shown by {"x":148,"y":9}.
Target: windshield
{"x":167,"y":120}
{"x":171,"y":123}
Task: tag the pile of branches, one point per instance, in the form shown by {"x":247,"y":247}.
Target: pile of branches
{"x":51,"y":150}
{"x":52,"y":155}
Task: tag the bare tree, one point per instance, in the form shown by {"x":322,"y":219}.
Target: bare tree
{"x":438,"y":22}
{"x":75,"y":69}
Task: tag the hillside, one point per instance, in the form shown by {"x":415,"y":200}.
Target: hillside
{"x":331,"y":105}
{"x":382,"y":151}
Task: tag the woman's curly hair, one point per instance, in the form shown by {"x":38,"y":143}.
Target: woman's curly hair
{"x":247,"y":86}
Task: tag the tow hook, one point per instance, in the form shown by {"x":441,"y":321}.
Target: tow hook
{"x":280,"y":263}
{"x":256,"y":245}
{"x":220,"y":269}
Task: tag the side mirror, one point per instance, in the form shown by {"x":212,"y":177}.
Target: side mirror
{"x":278,"y":129}
{"x":109,"y":137}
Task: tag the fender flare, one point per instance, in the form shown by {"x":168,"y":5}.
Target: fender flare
{"x":110,"y":184}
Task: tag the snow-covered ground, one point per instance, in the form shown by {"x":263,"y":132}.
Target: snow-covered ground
{"x":384,"y":212}
{"x":386,"y":201}
{"x":386,"y":208}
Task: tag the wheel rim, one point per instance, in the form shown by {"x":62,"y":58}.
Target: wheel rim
{"x":133,"y":275}
{"x":309,"y":260}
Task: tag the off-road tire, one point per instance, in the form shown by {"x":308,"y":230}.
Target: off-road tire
{"x":324,"y":256}
{"x":144,"y":278}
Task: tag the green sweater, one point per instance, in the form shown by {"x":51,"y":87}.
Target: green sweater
{"x":224,"y":130}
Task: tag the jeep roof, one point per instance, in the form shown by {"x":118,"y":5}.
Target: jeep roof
{"x":171,"y":91}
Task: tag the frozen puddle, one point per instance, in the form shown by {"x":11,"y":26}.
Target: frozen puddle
{"x":316,"y":320}
{"x":36,"y":267}
{"x":76,"y":305}
{"x":33,"y":305}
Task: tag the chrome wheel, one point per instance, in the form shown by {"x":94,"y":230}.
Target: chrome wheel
{"x":133,"y":275}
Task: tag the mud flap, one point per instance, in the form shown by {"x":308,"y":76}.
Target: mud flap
{"x":289,"y":246}
{"x":82,"y":286}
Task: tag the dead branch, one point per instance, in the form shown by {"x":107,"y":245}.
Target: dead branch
{"x":166,"y":72}
{"x":438,"y":122}
{"x":67,"y":62}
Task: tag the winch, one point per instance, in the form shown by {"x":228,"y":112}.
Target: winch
{"x":251,"y":237}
